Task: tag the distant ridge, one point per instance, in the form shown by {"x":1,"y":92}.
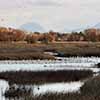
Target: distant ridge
{"x":97,"y":26}
{"x":32,"y":27}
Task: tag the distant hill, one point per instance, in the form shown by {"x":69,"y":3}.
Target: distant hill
{"x":32,"y":27}
{"x":66,"y":30}
{"x":74,"y":30}
{"x":97,"y":26}
{"x":78,"y":30}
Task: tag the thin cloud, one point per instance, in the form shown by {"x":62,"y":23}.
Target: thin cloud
{"x":4,"y":4}
{"x":52,"y":14}
{"x":46,"y":3}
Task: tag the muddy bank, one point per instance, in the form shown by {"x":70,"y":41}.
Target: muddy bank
{"x":88,"y":91}
{"x":40,"y":77}
{"x":25,"y":56}
{"x":15,"y":51}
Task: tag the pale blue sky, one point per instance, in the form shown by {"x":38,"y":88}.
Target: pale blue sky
{"x":50,"y":14}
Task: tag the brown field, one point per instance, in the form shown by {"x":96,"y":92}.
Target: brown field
{"x":21,"y":50}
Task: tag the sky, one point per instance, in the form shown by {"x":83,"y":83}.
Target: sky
{"x":62,"y":15}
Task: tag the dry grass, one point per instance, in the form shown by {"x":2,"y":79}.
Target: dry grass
{"x":30,"y":77}
{"x":51,"y":96}
{"x":89,"y":91}
{"x":91,"y":87}
{"x":21,"y":51}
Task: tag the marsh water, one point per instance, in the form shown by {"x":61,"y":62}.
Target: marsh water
{"x":72,"y":63}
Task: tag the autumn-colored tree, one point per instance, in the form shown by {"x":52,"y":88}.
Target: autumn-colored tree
{"x":18,"y":35}
{"x":5,"y":34}
{"x":52,"y":36}
{"x":9,"y":34}
{"x":91,"y":34}
{"x":32,"y":38}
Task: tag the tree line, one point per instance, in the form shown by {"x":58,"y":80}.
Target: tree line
{"x":11,"y":34}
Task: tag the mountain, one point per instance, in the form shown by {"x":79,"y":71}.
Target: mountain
{"x":75,"y":30}
{"x":78,"y":30}
{"x":66,"y":30}
{"x":32,"y":27}
{"x":83,"y":28}
{"x":97,"y":26}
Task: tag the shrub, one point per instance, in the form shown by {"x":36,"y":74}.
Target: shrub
{"x":98,"y":65}
{"x":91,"y":87}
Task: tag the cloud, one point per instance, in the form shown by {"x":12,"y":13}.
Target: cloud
{"x":45,"y":3}
{"x":52,"y":14}
{"x":4,"y":4}
{"x":30,"y":3}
